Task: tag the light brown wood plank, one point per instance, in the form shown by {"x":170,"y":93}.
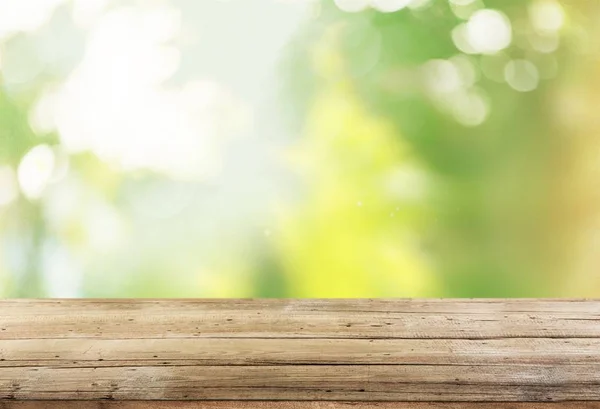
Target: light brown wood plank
{"x":359,"y":319}
{"x":306,"y":382}
{"x":250,"y":351}
{"x":300,"y":350}
{"x":291,"y":405}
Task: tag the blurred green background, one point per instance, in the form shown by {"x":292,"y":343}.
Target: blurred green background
{"x":299,"y":148}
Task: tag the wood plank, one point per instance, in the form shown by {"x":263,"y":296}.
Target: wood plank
{"x":290,"y":405}
{"x":359,"y":319}
{"x":306,"y":382}
{"x":300,"y":350}
{"x":249,"y":351}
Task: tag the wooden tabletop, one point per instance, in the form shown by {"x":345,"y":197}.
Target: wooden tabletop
{"x":281,"y":353}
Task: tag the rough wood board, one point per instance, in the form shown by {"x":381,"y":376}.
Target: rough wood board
{"x":80,"y":352}
{"x":276,"y":318}
{"x":291,"y":405}
{"x":304,"y":350}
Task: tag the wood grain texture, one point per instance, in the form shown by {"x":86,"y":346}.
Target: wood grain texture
{"x":290,"y":405}
{"x":358,"y":350}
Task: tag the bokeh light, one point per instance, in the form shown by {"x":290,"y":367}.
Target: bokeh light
{"x":35,"y":171}
{"x":299,"y":148}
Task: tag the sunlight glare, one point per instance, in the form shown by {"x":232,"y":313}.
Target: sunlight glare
{"x":35,"y":171}
{"x":488,"y":31}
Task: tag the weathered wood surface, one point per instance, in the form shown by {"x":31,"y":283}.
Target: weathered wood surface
{"x":290,"y":405}
{"x":300,"y":350}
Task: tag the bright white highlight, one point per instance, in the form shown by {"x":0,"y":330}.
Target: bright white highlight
{"x":488,"y":31}
{"x":546,"y":15}
{"x":24,"y":15}
{"x":115,"y":103}
{"x":87,"y":12}
{"x":35,"y":171}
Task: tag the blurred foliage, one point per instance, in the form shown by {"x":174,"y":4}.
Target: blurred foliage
{"x":414,"y":148}
{"x":511,"y":199}
{"x":360,"y":240}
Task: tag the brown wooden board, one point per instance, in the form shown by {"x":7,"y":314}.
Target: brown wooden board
{"x":291,"y":405}
{"x":381,"y":353}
